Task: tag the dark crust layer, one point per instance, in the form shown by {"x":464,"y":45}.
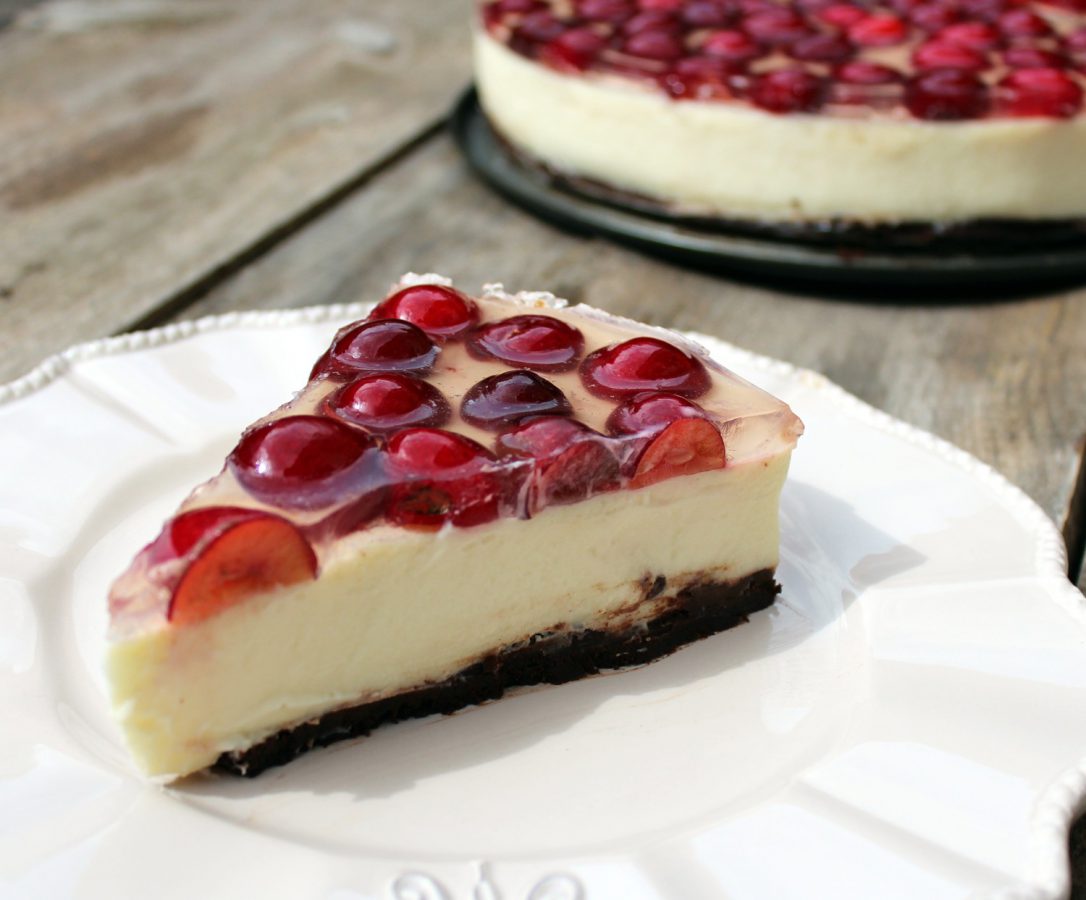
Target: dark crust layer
{"x":694,"y":612}
{"x":975,"y":236}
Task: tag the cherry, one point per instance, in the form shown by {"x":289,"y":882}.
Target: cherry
{"x":442,"y":477}
{"x":643,"y":364}
{"x":651,"y":412}
{"x":788,"y":91}
{"x":543,"y":343}
{"x":572,"y":462}
{"x":380,"y":345}
{"x":508,"y":397}
{"x":776,"y":26}
{"x":731,"y":46}
{"x":519,"y":6}
{"x":672,"y":5}
{"x":685,"y":447}
{"x":304,"y":462}
{"x":1033,"y":58}
{"x":936,"y":55}
{"x":821,"y":48}
{"x":706,"y":14}
{"x":933,"y":17}
{"x":652,"y":20}
{"x":984,"y":10}
{"x":1023,"y":23}
{"x":861,"y":71}
{"x":946,"y":95}
{"x":438,"y":310}
{"x":384,"y":403}
{"x":699,"y":76}
{"x":539,"y":27}
{"x":880,"y":30}
{"x":184,"y":533}
{"x":655,"y":44}
{"x":613,"y":12}
{"x":244,"y":555}
{"x":977,"y":36}
{"x":842,"y":15}
{"x":1076,"y":40}
{"x":573,"y":51}
{"x":1039,"y":92}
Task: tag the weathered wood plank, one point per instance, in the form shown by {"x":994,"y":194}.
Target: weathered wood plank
{"x":146,"y":144}
{"x":1002,"y":380}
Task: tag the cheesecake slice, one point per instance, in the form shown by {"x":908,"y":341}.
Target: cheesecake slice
{"x":468,"y":495}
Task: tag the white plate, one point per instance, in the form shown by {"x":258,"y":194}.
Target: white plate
{"x":906,"y":722}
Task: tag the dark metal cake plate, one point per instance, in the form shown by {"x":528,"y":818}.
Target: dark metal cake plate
{"x":825,"y":264}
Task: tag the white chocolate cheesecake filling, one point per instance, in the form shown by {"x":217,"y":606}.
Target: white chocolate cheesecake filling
{"x":730,"y":160}
{"x":396,"y":609}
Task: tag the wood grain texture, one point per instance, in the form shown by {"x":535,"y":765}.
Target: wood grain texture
{"x":1001,"y":380}
{"x":147,"y":143}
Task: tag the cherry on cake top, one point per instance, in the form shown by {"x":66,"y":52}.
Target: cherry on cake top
{"x":378,"y":436}
{"x":934,"y":60}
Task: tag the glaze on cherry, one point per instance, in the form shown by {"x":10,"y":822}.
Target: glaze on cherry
{"x":377,"y":346}
{"x":388,"y":402}
{"x":438,"y":310}
{"x":508,"y":397}
{"x":643,"y":364}
{"x":537,"y":342}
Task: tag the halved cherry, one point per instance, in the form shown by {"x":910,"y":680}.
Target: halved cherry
{"x":684,"y":447}
{"x":379,"y":345}
{"x":651,"y":412}
{"x":571,"y":461}
{"x":443,"y":477}
{"x":788,"y":91}
{"x":183,"y":534}
{"x":538,"y":342}
{"x":821,"y":48}
{"x":706,"y":14}
{"x":978,"y":36}
{"x":937,"y":54}
{"x":438,"y":310}
{"x":573,"y":51}
{"x":508,"y":397}
{"x":946,"y":95}
{"x":1047,"y":93}
{"x":246,"y":555}
{"x":878,"y":30}
{"x":841,"y":15}
{"x":776,"y":26}
{"x":731,"y":46}
{"x":385,"y":403}
{"x":305,"y":462}
{"x":643,"y":364}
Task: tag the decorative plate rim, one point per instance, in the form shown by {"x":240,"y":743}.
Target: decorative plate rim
{"x":1056,"y":806}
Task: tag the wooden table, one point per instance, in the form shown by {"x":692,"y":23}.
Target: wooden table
{"x":166,"y":159}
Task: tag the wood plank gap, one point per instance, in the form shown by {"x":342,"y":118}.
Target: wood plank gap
{"x":176,"y":302}
{"x":1074,"y":525}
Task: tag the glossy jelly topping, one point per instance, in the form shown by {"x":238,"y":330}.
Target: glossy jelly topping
{"x":936,"y":60}
{"x":453,"y":413}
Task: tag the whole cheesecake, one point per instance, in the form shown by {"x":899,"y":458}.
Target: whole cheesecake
{"x":810,"y":113}
{"x":468,"y":495}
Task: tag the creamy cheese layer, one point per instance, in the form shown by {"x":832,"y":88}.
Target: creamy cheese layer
{"x":736,"y":161}
{"x":395,"y":609}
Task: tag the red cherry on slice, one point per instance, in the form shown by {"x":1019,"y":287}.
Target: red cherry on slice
{"x":1023,"y":23}
{"x":731,"y":46}
{"x":863,"y":82}
{"x":380,"y":345}
{"x":1033,"y":58}
{"x":685,"y":447}
{"x":539,"y":27}
{"x":933,"y":17}
{"x":543,"y":343}
{"x":184,"y":533}
{"x":1046,"y":93}
{"x":443,"y":477}
{"x":979,"y":36}
{"x":573,"y":51}
{"x":821,"y":48}
{"x":508,"y":397}
{"x":652,"y":20}
{"x":571,"y":461}
{"x":655,"y":44}
{"x":304,"y":462}
{"x":788,"y":91}
{"x":863,"y":72}
{"x":613,"y":12}
{"x":776,"y":26}
{"x":946,"y":95}
{"x":245,"y":556}
{"x":706,"y":14}
{"x":841,"y":15}
{"x":438,"y":310}
{"x":385,"y":403}
{"x":643,"y":364}
{"x":936,"y":55}
{"x":651,"y":412}
{"x":879,"y":30}
{"x":699,"y":77}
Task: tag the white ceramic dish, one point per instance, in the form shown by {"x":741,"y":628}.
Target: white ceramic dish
{"x":906,"y":722}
